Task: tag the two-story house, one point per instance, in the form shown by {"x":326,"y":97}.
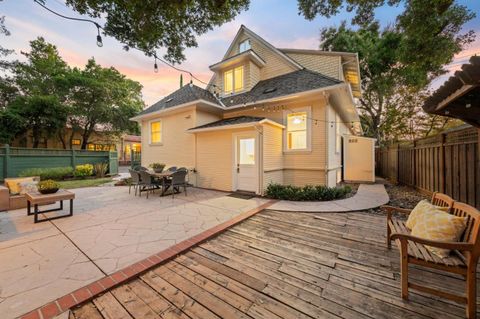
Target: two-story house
{"x":267,"y":115}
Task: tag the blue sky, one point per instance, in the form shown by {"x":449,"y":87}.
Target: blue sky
{"x":277,"y":21}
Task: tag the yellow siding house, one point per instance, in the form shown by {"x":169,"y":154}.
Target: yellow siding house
{"x":267,"y":115}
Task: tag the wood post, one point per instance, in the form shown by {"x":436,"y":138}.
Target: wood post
{"x":442,"y":173}
{"x":6,"y":162}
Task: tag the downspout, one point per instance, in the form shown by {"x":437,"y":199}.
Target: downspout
{"x":327,"y":146}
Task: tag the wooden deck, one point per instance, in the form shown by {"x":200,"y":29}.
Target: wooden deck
{"x":281,"y":265}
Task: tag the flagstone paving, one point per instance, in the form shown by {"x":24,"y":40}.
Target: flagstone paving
{"x":109,"y":230}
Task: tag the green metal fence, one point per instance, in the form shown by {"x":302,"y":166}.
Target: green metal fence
{"x":14,"y":160}
{"x":135,"y":159}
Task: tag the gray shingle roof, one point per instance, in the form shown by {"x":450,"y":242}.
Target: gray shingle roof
{"x":187,"y":93}
{"x":290,"y":83}
{"x":231,"y":121}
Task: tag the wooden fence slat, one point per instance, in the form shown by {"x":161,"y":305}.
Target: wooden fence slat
{"x":448,"y":163}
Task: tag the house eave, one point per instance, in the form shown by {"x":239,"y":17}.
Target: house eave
{"x":235,"y":126}
{"x":247,"y":55}
{"x":139,"y":118}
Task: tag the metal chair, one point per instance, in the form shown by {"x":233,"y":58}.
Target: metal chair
{"x":171,"y":169}
{"x":135,"y":180}
{"x":178,"y":179}
{"x":148,"y":183}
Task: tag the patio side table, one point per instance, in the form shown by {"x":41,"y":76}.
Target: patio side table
{"x":37,"y":198}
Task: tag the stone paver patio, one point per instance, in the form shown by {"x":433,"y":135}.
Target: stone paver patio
{"x":110,"y":230}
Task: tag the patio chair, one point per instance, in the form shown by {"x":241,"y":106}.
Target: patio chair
{"x":178,"y":179}
{"x":148,"y":183}
{"x":135,"y":180}
{"x":171,"y":169}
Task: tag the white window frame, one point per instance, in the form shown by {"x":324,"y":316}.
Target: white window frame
{"x":233,"y":80}
{"x":338,"y":134}
{"x":308,"y":110}
{"x":150,"y":132}
{"x":247,"y":43}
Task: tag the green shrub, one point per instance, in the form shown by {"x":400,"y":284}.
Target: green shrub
{"x":100,"y":169}
{"x":82,"y":171}
{"x":306,"y":193}
{"x":55,"y":173}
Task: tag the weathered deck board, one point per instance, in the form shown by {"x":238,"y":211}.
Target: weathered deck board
{"x":282,"y":265}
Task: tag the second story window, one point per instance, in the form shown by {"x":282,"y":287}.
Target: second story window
{"x":244,"y":46}
{"x":233,"y":80}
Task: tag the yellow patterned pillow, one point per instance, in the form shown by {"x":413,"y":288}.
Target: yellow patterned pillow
{"x":13,"y":184}
{"x":422,"y":207}
{"x":440,"y":226}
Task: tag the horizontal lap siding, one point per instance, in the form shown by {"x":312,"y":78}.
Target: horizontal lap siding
{"x":272,"y":155}
{"x":327,"y":65}
{"x":177,"y":147}
{"x":299,"y":168}
{"x":214,"y":159}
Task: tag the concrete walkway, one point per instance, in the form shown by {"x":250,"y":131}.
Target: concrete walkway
{"x":367,"y":197}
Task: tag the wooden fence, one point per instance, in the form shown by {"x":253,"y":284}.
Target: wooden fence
{"x":14,"y":160}
{"x":447,"y":163}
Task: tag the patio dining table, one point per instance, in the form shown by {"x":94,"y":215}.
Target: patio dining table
{"x":163,"y":176}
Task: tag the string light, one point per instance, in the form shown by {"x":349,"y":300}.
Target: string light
{"x":155,"y":66}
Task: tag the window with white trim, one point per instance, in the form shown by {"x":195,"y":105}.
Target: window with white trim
{"x":297,"y":131}
{"x":244,"y":46}
{"x":233,"y":80}
{"x":156,"y":132}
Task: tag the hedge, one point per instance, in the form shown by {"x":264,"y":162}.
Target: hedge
{"x":308,"y":192}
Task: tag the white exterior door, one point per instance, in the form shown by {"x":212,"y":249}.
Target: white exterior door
{"x":246,"y":158}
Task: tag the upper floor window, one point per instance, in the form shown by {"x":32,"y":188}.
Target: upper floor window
{"x":155,"y":132}
{"x":233,"y":80}
{"x":244,"y":46}
{"x":297,"y":131}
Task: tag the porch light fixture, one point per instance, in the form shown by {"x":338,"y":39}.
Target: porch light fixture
{"x":297,"y":120}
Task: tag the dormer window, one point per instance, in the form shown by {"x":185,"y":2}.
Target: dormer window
{"x":233,"y":80}
{"x":244,"y":46}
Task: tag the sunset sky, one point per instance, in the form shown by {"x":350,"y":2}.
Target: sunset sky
{"x":275,"y":20}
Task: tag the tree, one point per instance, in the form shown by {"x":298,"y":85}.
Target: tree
{"x":149,"y":25}
{"x":102,"y":99}
{"x":386,"y":74}
{"x":40,"y":98}
{"x":430,"y":31}
{"x":10,"y":123}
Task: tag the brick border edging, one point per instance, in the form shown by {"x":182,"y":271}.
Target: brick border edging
{"x":119,"y":277}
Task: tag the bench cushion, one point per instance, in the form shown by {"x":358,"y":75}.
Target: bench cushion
{"x":421,"y":208}
{"x":419,"y":251}
{"x":439,"y":226}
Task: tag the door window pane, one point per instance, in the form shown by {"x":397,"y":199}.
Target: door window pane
{"x":246,"y":151}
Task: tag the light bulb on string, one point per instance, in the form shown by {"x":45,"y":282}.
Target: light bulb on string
{"x":99,"y":37}
{"x":155,"y":66}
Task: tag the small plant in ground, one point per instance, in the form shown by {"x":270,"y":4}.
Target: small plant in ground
{"x":100,"y":169}
{"x":82,"y":171}
{"x":306,"y":193}
{"x":55,"y":173}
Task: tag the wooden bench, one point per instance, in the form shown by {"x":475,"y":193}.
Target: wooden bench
{"x":463,"y":259}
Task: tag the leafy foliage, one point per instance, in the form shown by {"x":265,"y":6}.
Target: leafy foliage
{"x":393,"y":82}
{"x":149,"y":25}
{"x":47,"y":185}
{"x":55,"y":173}
{"x":306,"y":193}
{"x":100,"y":169}
{"x":82,"y":171}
